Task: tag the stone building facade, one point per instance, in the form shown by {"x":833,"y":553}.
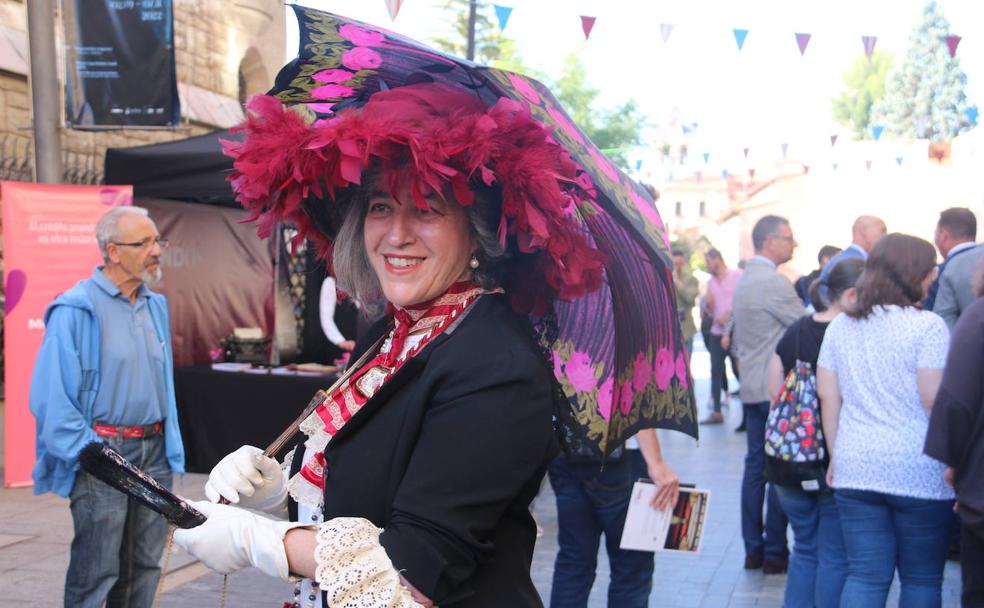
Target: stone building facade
{"x":225,"y":51}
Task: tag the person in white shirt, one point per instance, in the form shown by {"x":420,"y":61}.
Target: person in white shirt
{"x":878,"y":372}
{"x":326,"y":310}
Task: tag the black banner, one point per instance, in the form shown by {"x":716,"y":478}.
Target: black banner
{"x":120,"y":64}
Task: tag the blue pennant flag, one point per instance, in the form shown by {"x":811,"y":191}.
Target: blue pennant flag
{"x":898,"y":159}
{"x":502,"y":13}
{"x":740,"y":37}
{"x":971,"y":114}
{"x":876,"y":132}
{"x":707,"y":156}
{"x":639,"y":165}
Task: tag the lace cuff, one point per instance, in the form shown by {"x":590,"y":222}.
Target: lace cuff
{"x":353,"y":568}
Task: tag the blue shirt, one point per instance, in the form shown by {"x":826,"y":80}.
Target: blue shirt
{"x":132,"y":390}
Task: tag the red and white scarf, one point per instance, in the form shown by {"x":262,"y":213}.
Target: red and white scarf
{"x":414,"y":328}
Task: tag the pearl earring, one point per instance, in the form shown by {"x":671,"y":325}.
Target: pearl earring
{"x":473,"y":263}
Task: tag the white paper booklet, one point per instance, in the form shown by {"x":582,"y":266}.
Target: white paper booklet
{"x":677,"y":529}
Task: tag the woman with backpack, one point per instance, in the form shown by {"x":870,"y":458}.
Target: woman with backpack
{"x":796,"y":462}
{"x":878,"y":372}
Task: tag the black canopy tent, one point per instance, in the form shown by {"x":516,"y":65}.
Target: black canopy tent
{"x":194,"y":170}
{"x":191,"y":170}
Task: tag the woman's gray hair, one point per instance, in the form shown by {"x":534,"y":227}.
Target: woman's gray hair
{"x":354,"y":273}
{"x":107,"y":228}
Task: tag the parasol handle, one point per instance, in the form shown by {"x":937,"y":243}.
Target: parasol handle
{"x":319,"y":397}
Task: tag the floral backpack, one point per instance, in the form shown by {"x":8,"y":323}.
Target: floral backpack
{"x":794,"y":445}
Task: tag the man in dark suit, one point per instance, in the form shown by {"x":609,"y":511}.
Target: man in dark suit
{"x":865,"y":232}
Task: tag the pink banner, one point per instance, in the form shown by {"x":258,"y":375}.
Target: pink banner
{"x":49,"y":243}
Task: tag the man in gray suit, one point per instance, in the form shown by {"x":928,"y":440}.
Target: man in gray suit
{"x":764,"y":305}
{"x":953,"y":291}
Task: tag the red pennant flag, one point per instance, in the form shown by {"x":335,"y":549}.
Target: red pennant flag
{"x":801,"y":41}
{"x":867,"y":164}
{"x":833,"y":140}
{"x":393,"y":6}
{"x":751,"y":173}
{"x":951,"y":43}
{"x":587,"y":23}
{"x":869,"y":45}
{"x":745,"y":150}
{"x":806,"y":169}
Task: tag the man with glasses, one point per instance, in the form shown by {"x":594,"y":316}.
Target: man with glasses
{"x":764,"y":305}
{"x":104,"y":373}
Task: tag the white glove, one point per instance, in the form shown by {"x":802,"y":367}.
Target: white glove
{"x":249,"y":479}
{"x":233,"y":538}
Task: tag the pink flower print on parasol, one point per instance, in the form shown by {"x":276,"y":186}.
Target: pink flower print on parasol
{"x":332,"y":91}
{"x":580,"y":373}
{"x":681,"y":370}
{"x":605,"y":398}
{"x":625,"y":398}
{"x":525,"y":88}
{"x":640,"y":373}
{"x":648,"y":211}
{"x":565,"y":125}
{"x":604,"y":165}
{"x":333,"y":76}
{"x":361,"y":58}
{"x":665,"y":368}
{"x":558,"y":364}
{"x":360,"y":36}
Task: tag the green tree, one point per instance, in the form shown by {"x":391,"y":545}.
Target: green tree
{"x":613,"y":130}
{"x":924,"y":96}
{"x":864,"y":84}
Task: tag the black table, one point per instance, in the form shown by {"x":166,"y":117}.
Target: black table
{"x":220,"y":411}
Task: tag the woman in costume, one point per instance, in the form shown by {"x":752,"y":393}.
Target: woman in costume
{"x":414,"y":481}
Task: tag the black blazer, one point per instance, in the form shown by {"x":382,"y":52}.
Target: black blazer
{"x":447,"y":457}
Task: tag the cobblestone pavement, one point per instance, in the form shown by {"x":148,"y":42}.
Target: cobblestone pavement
{"x":35,"y":533}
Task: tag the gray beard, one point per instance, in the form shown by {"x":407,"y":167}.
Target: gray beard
{"x":150,"y":277}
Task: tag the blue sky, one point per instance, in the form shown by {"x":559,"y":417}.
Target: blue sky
{"x":757,"y":98}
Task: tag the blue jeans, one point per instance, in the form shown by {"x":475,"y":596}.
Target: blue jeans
{"x":591,"y":502}
{"x":117,"y":543}
{"x":818,"y":564}
{"x":884,"y":532}
{"x":772,"y":546}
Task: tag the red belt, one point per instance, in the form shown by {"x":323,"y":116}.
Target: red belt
{"x":127,"y":432}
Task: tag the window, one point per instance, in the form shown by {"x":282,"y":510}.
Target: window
{"x":703,"y":209}
{"x":679,"y":209}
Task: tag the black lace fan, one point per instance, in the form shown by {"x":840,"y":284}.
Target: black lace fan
{"x":107,"y":465}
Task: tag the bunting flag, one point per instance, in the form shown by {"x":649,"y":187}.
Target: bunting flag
{"x":740,"y":37}
{"x":587,"y":23}
{"x":898,"y":159}
{"x":751,"y":173}
{"x":834,"y":165}
{"x":502,"y":13}
{"x":833,"y":140}
{"x":724,"y":173}
{"x":867,"y":165}
{"x":707,"y":156}
{"x":699,"y":175}
{"x":869,"y":45}
{"x":393,"y":6}
{"x":746,"y":151}
{"x":876,"y":132}
{"x":972,"y":114}
{"x":665,"y":29}
{"x":801,"y":41}
{"x":951,"y":43}
{"x":806,"y":169}
{"x":639,"y":165}
{"x":784,"y":147}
